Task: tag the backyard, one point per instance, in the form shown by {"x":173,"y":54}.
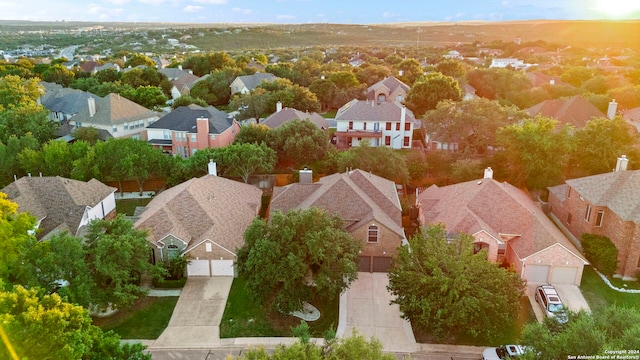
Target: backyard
{"x":598,"y":294}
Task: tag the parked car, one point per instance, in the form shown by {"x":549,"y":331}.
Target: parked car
{"x":548,"y":298}
{"x":503,"y":352}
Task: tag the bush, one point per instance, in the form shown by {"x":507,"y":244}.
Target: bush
{"x":169,"y":284}
{"x":601,"y":252}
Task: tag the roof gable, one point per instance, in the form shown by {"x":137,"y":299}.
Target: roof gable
{"x":364,"y":110}
{"x":114,"y":109}
{"x":185,"y":118}
{"x":288,"y":114}
{"x":574,"y":111}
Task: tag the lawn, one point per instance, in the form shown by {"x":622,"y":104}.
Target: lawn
{"x":147,"y":319}
{"x":128,"y":206}
{"x":598,"y":294}
{"x":245,"y":318}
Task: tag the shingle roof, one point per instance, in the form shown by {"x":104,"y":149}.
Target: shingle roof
{"x":632,"y":116}
{"x":498,"y":209}
{"x":67,"y":100}
{"x":114,"y":109}
{"x":209,"y":207}
{"x":357,"y":197}
{"x":619,"y":191}
{"x":173,"y":73}
{"x":287,"y":114}
{"x":252,"y":81}
{"x":185,"y":80}
{"x":575,"y":110}
{"x":57,"y":200}
{"x":390,"y":83}
{"x":373,"y":111}
{"x":184,"y":119}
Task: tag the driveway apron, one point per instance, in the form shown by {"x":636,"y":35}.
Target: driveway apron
{"x":195,"y":322}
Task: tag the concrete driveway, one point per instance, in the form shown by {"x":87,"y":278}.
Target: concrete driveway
{"x":195,"y":322}
{"x":570,"y":295}
{"x":368,"y":311}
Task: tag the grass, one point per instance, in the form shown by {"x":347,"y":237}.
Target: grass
{"x":128,"y":206}
{"x":245,"y":318}
{"x":599,"y":295}
{"x":147,"y":319}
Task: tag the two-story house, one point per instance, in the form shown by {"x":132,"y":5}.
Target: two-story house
{"x":386,"y":123}
{"x":606,"y":205}
{"x":188,"y":129}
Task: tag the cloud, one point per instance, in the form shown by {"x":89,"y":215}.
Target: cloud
{"x":192,"y":8}
{"x":212,"y":2}
{"x":152,"y":2}
{"x":118,"y":2}
{"x":241,"y":11}
{"x":388,"y":15}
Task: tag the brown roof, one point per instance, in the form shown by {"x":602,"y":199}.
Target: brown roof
{"x":574,"y":111}
{"x":357,"y":197}
{"x":499,"y":209}
{"x":373,"y":111}
{"x":114,"y":109}
{"x":209,"y":207}
{"x":287,"y":114}
{"x":619,"y":191}
{"x":390,"y":84}
{"x":539,"y":79}
{"x":59,"y":202}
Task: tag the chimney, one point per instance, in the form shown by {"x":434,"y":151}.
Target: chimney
{"x":621,"y":164}
{"x":613,"y":108}
{"x":400,"y":72}
{"x":552,"y":82}
{"x":92,"y":106}
{"x":488,"y":173}
{"x":306,"y":176}
{"x":212,"y":168}
{"x":403,"y":117}
{"x":278,"y":106}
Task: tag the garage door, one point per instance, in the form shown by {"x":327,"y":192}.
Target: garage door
{"x":564,"y":275}
{"x":198,"y":268}
{"x":536,"y":273}
{"x":222,"y":267}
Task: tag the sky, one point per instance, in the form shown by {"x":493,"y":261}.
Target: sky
{"x":315,"y":11}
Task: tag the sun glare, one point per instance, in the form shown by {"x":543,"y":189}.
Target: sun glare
{"x":618,"y":8}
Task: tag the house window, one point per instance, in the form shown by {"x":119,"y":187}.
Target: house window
{"x":166,"y":134}
{"x":388,"y":126}
{"x":172,"y":251}
{"x":126,"y":126}
{"x":569,"y":193}
{"x":376,"y":127}
{"x":365,"y":125}
{"x":350,"y":125}
{"x":373,"y":234}
{"x":387,"y":140}
{"x":587,"y":213}
{"x":382,"y":97}
{"x":569,"y":219}
{"x":407,"y":126}
{"x":114,"y":129}
{"x":193,"y":137}
{"x":599,"y":217}
{"x":397,"y":126}
{"x":406,"y":141}
{"x":207,"y":247}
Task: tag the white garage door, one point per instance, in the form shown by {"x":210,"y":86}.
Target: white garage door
{"x":536,"y":273}
{"x":222,"y":267}
{"x":198,"y":268}
{"x":564,"y":275}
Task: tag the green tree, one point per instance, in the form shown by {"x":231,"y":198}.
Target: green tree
{"x":299,"y":140}
{"x":148,"y":96}
{"x":252,"y":134}
{"x":107,"y":75}
{"x":601,"y":142}
{"x":139,"y":59}
{"x":472,"y":124}
{"x":577,"y":75}
{"x":498,"y":83}
{"x":252,"y":105}
{"x":411,"y":71}
{"x":601,"y":253}
{"x":44,"y":327}
{"x":14,"y":233}
{"x":535,"y":151}
{"x":29,"y":118}
{"x":429,"y":90}
{"x":59,"y":74}
{"x":454,"y":68}
{"x":17,"y":91}
{"x":186,"y":100}
{"x":447,"y":290}
{"x":324,"y":90}
{"x":288,"y":261}
{"x":56,"y":158}
{"x":9,"y":165}
{"x":214,"y":89}
{"x":379,"y":160}
{"x":371,"y":74}
{"x":246,"y":159}
{"x":466,"y":169}
{"x":609,"y":328}
{"x":116,"y":254}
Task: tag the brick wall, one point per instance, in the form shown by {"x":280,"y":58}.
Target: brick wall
{"x":217,"y":253}
{"x":387,"y":244}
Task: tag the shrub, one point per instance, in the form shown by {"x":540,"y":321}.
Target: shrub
{"x":601,"y":252}
{"x":169,"y":284}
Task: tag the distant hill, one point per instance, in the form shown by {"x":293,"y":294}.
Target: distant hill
{"x":251,"y":36}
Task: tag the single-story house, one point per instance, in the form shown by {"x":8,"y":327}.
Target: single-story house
{"x":282,"y":116}
{"x":203,"y":218}
{"x":504,"y":221}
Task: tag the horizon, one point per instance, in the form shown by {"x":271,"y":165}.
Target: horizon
{"x":300,"y":12}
